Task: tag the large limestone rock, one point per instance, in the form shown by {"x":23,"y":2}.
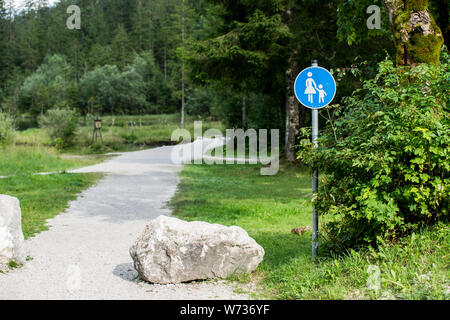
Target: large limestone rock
{"x":175,"y":251}
{"x":11,"y":236}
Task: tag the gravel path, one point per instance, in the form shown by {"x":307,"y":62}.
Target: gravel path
{"x":85,"y":255}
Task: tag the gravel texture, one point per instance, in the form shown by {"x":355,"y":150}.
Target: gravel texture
{"x":85,"y":253}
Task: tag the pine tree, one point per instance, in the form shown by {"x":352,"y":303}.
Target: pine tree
{"x":121,"y":47}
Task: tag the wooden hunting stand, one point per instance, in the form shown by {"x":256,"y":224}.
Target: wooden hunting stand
{"x":97,"y":130}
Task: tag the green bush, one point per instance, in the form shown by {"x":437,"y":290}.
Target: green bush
{"x":386,"y":159}
{"x":61,"y":125}
{"x":50,"y":84}
{"x":7,"y":131}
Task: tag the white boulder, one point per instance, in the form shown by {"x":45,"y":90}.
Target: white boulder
{"x":173,"y":251}
{"x":11,"y":236}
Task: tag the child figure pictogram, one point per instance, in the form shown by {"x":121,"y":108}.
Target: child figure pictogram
{"x":322,"y":94}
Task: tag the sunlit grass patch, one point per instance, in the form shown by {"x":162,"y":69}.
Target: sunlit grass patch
{"x":44,"y":197}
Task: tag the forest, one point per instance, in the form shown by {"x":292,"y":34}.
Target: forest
{"x":232,"y":60}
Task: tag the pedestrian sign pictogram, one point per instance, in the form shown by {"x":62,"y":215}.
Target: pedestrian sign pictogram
{"x":315,"y":87}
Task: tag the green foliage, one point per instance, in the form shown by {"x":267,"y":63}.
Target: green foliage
{"x":241,"y":57}
{"x":47,"y":87}
{"x":253,"y":46}
{"x":200,"y":101}
{"x":97,"y":87}
{"x":7,"y":131}
{"x":113,"y":90}
{"x":121,"y":47}
{"x":352,"y":21}
{"x":386,"y":159}
{"x":158,"y":93}
{"x":61,"y":125}
{"x":112,"y":33}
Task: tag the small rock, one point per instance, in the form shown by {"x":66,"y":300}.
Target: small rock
{"x":11,"y":236}
{"x":301,"y":230}
{"x":175,"y":251}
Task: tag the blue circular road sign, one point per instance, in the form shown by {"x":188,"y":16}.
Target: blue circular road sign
{"x":315,"y":87}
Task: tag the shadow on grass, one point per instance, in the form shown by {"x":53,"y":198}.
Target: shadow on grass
{"x":282,"y":248}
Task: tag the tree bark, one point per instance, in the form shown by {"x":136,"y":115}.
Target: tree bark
{"x":292,"y":112}
{"x":418,"y":39}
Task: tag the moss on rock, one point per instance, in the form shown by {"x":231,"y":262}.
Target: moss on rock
{"x":416,"y":5}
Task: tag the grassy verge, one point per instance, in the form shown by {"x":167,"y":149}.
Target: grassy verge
{"x":270,"y":207}
{"x":44,"y":197}
{"x":18,"y":160}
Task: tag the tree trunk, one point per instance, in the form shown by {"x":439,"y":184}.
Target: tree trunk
{"x":418,"y":39}
{"x":292,"y":112}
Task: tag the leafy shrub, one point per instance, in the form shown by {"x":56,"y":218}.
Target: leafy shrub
{"x":6,"y":130}
{"x":50,"y":84}
{"x":61,"y":125}
{"x":129,"y":137}
{"x":114,"y":90}
{"x":386,"y":159}
{"x":24,"y":123}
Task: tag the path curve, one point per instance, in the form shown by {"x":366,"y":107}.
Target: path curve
{"x":84,"y":254}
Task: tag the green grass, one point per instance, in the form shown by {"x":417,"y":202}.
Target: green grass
{"x":44,"y":197}
{"x":32,"y":137}
{"x":19,"y":160}
{"x":270,"y":207}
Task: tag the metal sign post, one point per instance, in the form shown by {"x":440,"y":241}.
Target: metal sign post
{"x":315,"y":180}
{"x":315,"y":88}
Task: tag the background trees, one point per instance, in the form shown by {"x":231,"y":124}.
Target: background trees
{"x":260,"y":47}
{"x":48,"y":86}
{"x":112,"y":33}
{"x":155,"y":56}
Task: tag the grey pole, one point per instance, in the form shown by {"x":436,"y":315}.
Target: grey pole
{"x":315,"y":179}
